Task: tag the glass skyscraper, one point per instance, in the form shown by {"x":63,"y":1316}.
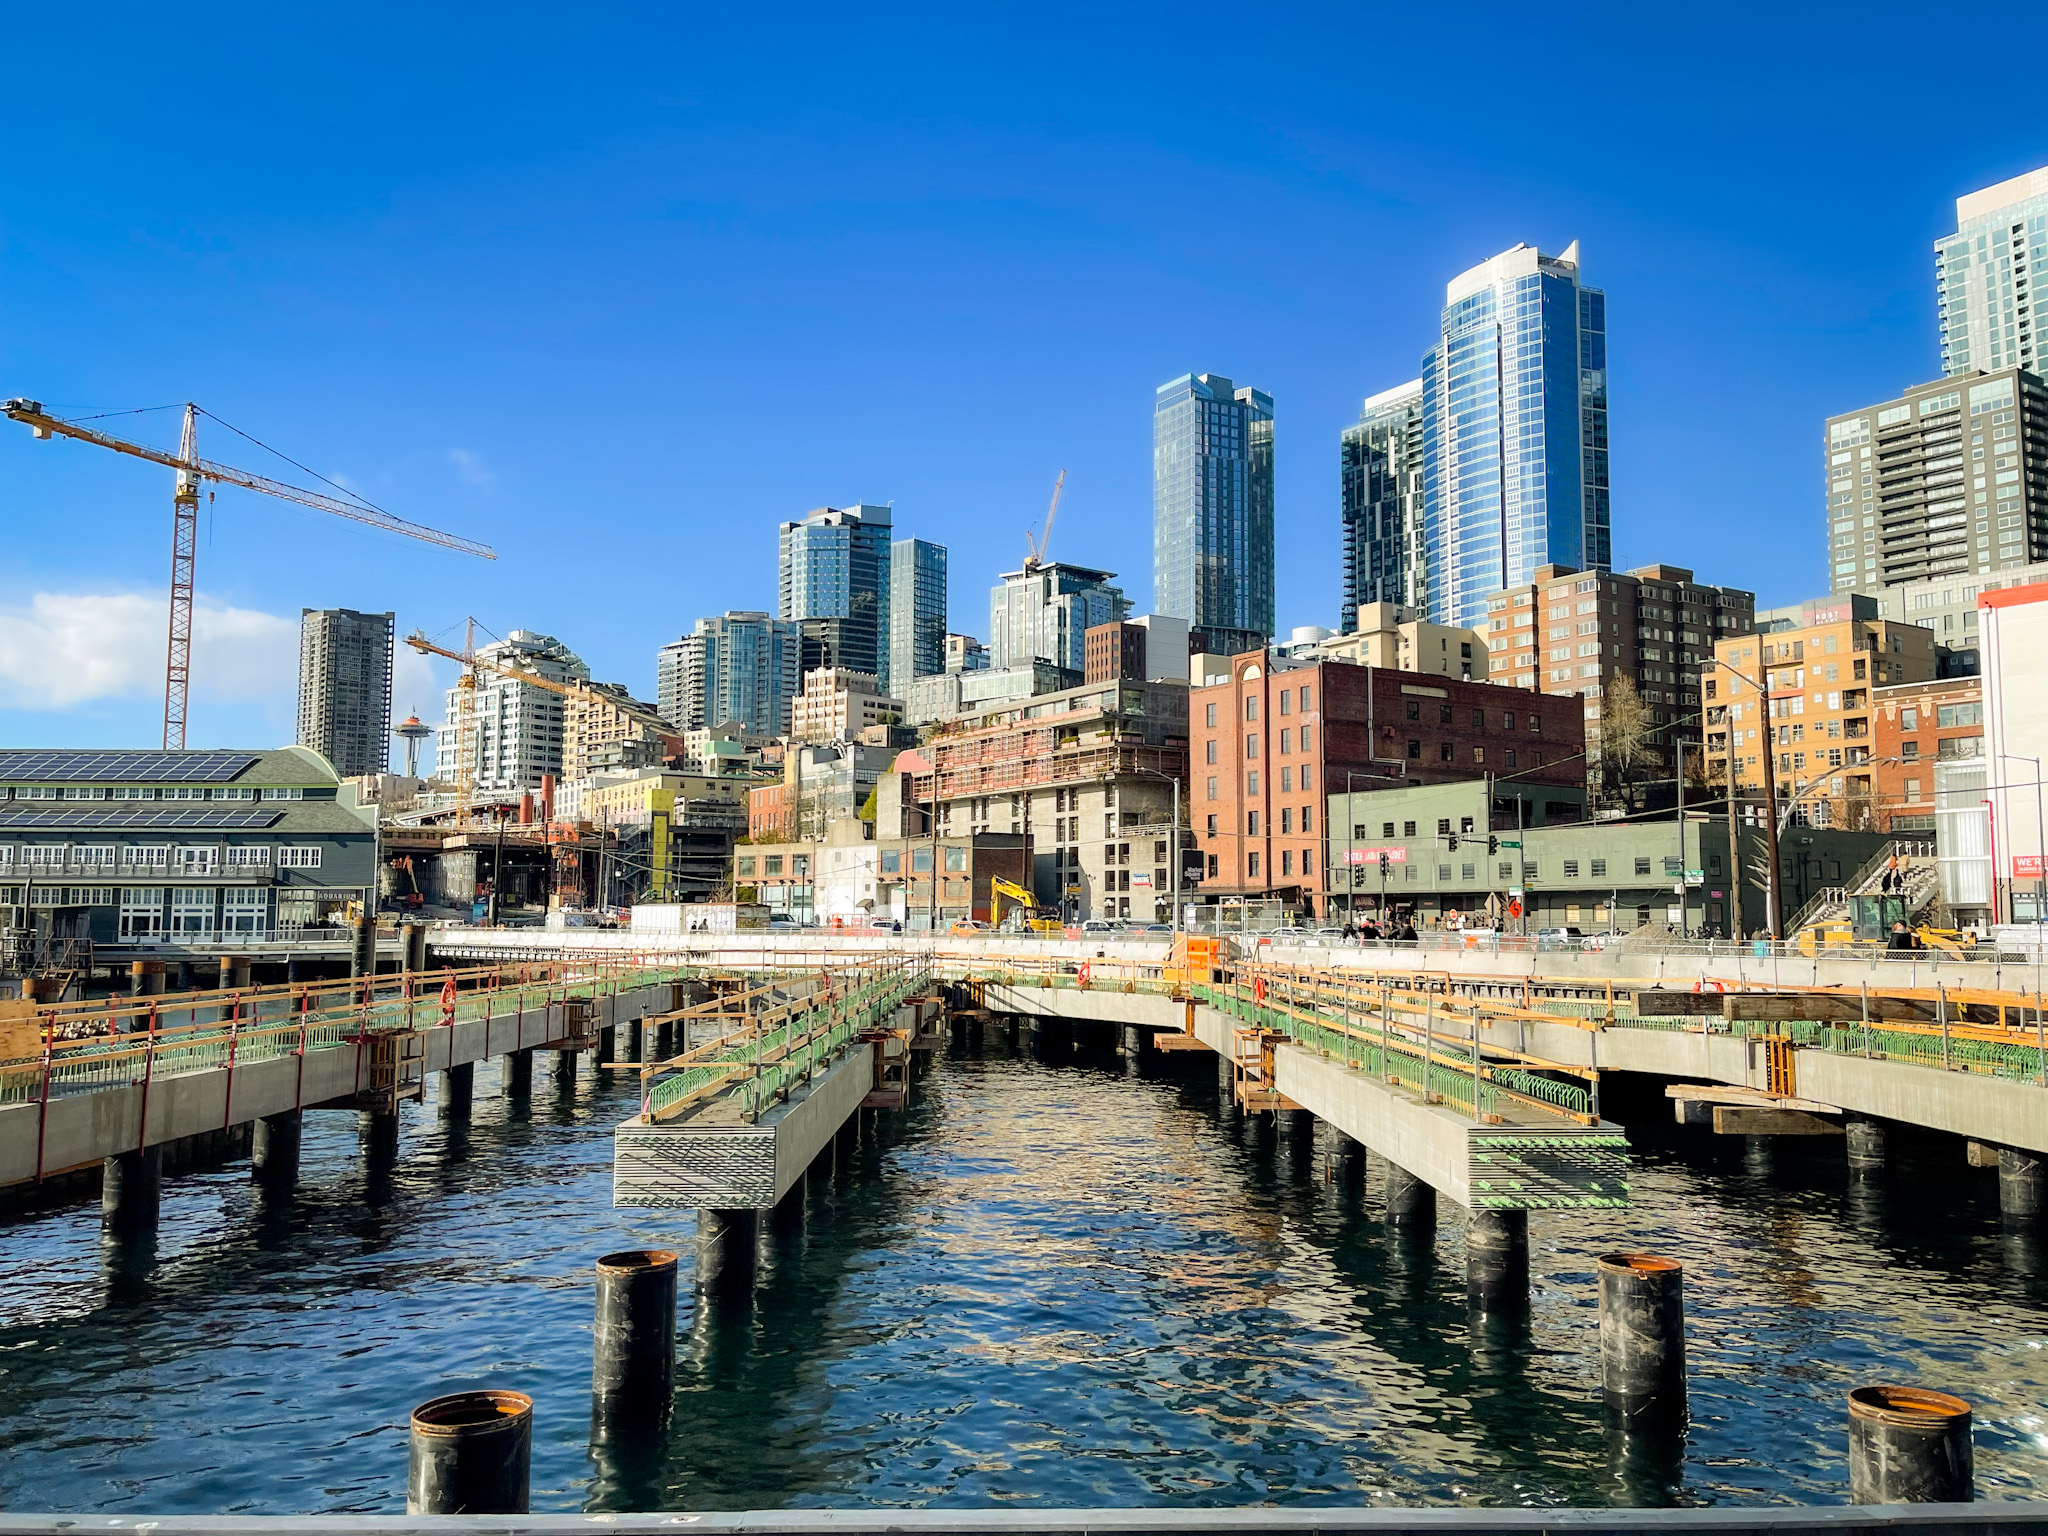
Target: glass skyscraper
{"x":1514,"y":422}
{"x":1044,"y":612}
{"x":917,"y":613}
{"x":1212,"y":511}
{"x":835,"y":565}
{"x":737,"y":668}
{"x":1981,"y":277}
{"x":1385,"y":558}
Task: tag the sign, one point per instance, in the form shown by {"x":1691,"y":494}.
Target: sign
{"x":1515,"y":891}
{"x":1694,"y":877}
{"x":1141,"y":880}
{"x":1372,"y":855}
{"x":2026,"y":866}
{"x":1514,"y":908}
{"x":1511,"y":842}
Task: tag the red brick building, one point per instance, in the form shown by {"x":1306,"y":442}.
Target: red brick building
{"x":1112,"y":652}
{"x":771,"y":813}
{"x":1914,"y":726}
{"x":1270,"y":746}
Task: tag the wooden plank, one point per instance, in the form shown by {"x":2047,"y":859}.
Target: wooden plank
{"x":1791,"y":1007}
{"x":1719,"y":1093}
{"x":1667,"y":1004}
{"x":1177,"y":1043}
{"x":1742,"y":1120}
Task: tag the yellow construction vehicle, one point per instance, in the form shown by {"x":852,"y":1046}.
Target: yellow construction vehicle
{"x":1034,"y":918}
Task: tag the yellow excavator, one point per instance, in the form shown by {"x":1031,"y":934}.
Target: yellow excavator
{"x":1034,"y":917}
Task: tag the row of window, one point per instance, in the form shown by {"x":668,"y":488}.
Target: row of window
{"x":201,"y":859}
{"x":1291,"y":821}
{"x":1284,"y":698}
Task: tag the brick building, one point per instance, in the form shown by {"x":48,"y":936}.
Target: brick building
{"x":1272,"y":743}
{"x":1913,"y":727}
{"x":1114,"y":652}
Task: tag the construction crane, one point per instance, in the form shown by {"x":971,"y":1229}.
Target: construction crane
{"x":1035,"y":548}
{"x":185,"y":528}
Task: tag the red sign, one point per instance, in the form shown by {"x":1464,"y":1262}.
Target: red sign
{"x":2026,"y":866}
{"x":1372,"y":855}
{"x":1514,"y":908}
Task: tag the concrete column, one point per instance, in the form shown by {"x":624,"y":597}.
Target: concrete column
{"x":146,"y":978}
{"x":184,"y":975}
{"x":607,"y":1044}
{"x":1642,"y":1338}
{"x":634,"y":1364}
{"x":363,"y":948}
{"x":294,"y":971}
{"x":1343,"y":1158}
{"x":629,"y":1041}
{"x":380,"y":1136}
{"x":726,"y":1259}
{"x":1908,"y":1445}
{"x":234,"y":972}
{"x":565,"y":1070}
{"x":518,"y":1074}
{"x":274,"y":1152}
{"x":415,"y":947}
{"x":788,"y":1212}
{"x":1226,"y":1086}
{"x":2022,"y":1184}
{"x":457,"y":1086}
{"x":1411,"y":1204}
{"x":1298,"y":1122}
{"x":131,"y":1185}
{"x":1136,"y":1043}
{"x":1865,"y":1139}
{"x":1497,"y":1260}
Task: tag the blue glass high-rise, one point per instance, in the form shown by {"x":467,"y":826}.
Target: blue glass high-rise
{"x":835,"y":565}
{"x":1514,"y":416}
{"x":1212,"y":511}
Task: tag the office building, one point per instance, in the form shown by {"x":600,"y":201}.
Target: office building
{"x":1950,"y":478}
{"x":1389,"y":635}
{"x":1982,"y":277}
{"x":345,"y":688}
{"x":1819,"y":674}
{"x":1947,"y":605}
{"x":917,"y":612}
{"x":1114,"y":653}
{"x":740,"y":669}
{"x":671,"y":678}
{"x":1385,"y":553}
{"x":516,"y":736}
{"x":836,"y":565}
{"x":1574,"y":631}
{"x":1514,"y":424}
{"x":1212,"y":510}
{"x":1044,"y":613}
{"x":1277,"y":736}
{"x":950,"y":695}
{"x":138,"y":849}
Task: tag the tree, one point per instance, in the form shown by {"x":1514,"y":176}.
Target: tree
{"x":1626,"y":727}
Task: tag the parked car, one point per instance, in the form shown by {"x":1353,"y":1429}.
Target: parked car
{"x":1601,"y":940}
{"x":1102,"y":926}
{"x":1152,"y":930}
{"x":1559,"y":938}
{"x":968,"y":925}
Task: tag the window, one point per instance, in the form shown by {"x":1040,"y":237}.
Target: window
{"x":1286,"y":779}
{"x":1386,"y":829}
{"x":1286,"y":702}
{"x":1306,"y":744}
{"x":284,"y":794}
{"x":1286,"y":739}
{"x":1286,"y":854}
{"x":248,"y":858}
{"x":1212,"y":786}
{"x":1251,"y":822}
{"x":1465,"y":873}
{"x":234,"y":793}
{"x":1571,"y":869}
{"x":1210,"y":747}
{"x":746,"y":868}
{"x":772,"y":865}
{"x":1304,"y":698}
{"x":1528,"y":872}
{"x":191,"y":909}
{"x":1443,"y":872}
{"x":85,"y":792}
{"x":1407,"y":829}
{"x":1251,"y":709}
{"x":1307,"y":777}
{"x":296,"y":858}
{"x":1947,"y":716}
{"x":245,"y":909}
{"x":920,"y":861}
{"x":1507,"y":870}
{"x":1599,"y":869}
{"x":956,"y":861}
{"x":1443,"y":826}
{"x":1673,"y":864}
{"x":92,"y":858}
{"x":1443,"y":714}
{"x":1209,"y":717}
{"x":142,"y":911}
{"x":1912,"y":789}
{"x":1443,"y":750}
{"x":1508,"y":758}
{"x":1287,"y":819}
{"x":43,"y":856}
{"x":204,"y":861}
{"x":1415,"y":749}
{"x":145,"y":858}
{"x":1479,"y":754}
{"x":183,"y":792}
{"x":132,"y":792}
{"x":1414,"y":709}
{"x":1251,"y":745}
{"x":892,"y":861}
{"x":1909,"y":750}
{"x":1642,"y":866}
{"x":1251,"y":783}
{"x":1307,"y":819}
{"x":1212,"y":826}
{"x":1251,"y":865}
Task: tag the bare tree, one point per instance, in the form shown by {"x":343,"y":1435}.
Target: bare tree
{"x":1626,"y":727}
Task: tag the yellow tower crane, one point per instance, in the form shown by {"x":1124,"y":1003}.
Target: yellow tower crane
{"x":185,"y":527}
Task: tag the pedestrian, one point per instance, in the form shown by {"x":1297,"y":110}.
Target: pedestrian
{"x":1350,"y":932}
{"x":1407,"y":934}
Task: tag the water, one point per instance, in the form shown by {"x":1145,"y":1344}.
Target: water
{"x":1047,"y":1283}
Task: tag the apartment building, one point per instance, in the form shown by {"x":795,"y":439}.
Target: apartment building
{"x":1817,"y":678}
{"x":1579,"y":632}
{"x":1913,"y":727}
{"x":605,"y":728}
{"x":1114,"y":652}
{"x":1389,"y":635}
{"x":1085,"y":776}
{"x":516,"y":730}
{"x":837,"y":704}
{"x":345,"y":688}
{"x":1280,"y":734}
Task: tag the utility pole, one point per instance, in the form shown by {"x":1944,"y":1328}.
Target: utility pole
{"x":1684,"y":920}
{"x":1733,"y":905}
{"x":1774,"y":904}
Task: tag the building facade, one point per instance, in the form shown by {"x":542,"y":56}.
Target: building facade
{"x":1805,"y":693}
{"x":517,"y":734}
{"x":179,"y":849}
{"x":345,"y":688}
{"x":835,"y":564}
{"x":2015,"y":710}
{"x":1948,"y":480}
{"x":1389,"y":635}
{"x":1914,"y":727}
{"x":1272,"y":741}
{"x":1581,"y":632}
{"x":1044,"y":613}
{"x":1514,"y":423}
{"x":1212,"y":510}
{"x":952,"y":695}
{"x":917,"y":612}
{"x":838,"y":705}
{"x":1386,"y":557}
{"x":1982,"y":273}
{"x":604,"y":727}
{"x":1114,"y":652}
{"x":740,"y":669}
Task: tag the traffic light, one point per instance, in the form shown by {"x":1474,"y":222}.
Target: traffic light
{"x":1454,"y":842}
{"x":1385,"y":863}
{"x":1493,"y":845}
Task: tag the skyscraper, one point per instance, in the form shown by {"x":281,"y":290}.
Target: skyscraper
{"x":518,"y":728}
{"x":835,"y":565}
{"x":1384,"y":554}
{"x":1514,"y":424}
{"x":345,"y":688}
{"x":739,"y":668}
{"x":1982,"y":274}
{"x":1212,"y":510}
{"x":917,"y":611}
{"x":1044,"y":613}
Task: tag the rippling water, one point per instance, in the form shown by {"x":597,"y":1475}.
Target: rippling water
{"x":1050,"y":1282}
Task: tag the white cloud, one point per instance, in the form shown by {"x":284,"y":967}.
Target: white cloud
{"x":66,"y":649}
{"x":471,"y":469}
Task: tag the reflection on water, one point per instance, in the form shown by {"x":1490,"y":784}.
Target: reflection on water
{"x":1057,"y":1282}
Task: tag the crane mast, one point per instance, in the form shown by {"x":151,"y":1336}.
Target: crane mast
{"x":184,"y":546}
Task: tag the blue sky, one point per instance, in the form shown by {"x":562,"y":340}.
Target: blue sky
{"x":619,"y":290}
